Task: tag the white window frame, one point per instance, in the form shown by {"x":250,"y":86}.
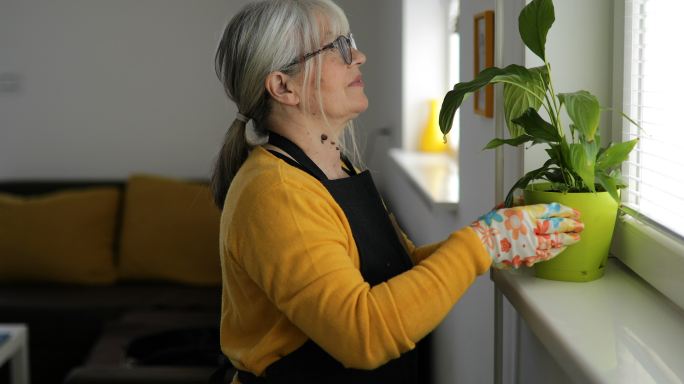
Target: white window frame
{"x":653,"y":252}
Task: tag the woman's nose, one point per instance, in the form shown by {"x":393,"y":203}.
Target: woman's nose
{"x":358,"y":57}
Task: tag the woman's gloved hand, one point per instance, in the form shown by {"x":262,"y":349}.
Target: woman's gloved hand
{"x":527,"y":234}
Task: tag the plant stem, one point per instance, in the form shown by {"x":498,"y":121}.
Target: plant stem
{"x":565,"y":178}
{"x":553,"y":98}
{"x":549,"y":109}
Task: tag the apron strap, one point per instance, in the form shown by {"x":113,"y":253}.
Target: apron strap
{"x":297,"y":153}
{"x":351,"y":171}
{"x":301,"y":160}
{"x":289,"y":160}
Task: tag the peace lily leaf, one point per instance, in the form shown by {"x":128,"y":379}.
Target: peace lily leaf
{"x":525,"y":180}
{"x":584,"y":111}
{"x":591,"y":149}
{"x":598,"y":156}
{"x":514,"y":141}
{"x":522,"y":91}
{"x":616,"y":174}
{"x":597,"y":138}
{"x":554,"y":154}
{"x":454,"y":98}
{"x":560,"y":153}
{"x":582,"y":164}
{"x":561,"y":187}
{"x":573,"y":129}
{"x":615,"y":154}
{"x":522,"y":183}
{"x":554,"y":175}
{"x":534,"y":23}
{"x":564,"y":150}
{"x":537,"y":127}
{"x":609,"y":183}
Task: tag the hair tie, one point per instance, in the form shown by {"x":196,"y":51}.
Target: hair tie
{"x":242,"y":117}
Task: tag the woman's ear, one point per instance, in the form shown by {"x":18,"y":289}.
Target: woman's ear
{"x":282,"y":88}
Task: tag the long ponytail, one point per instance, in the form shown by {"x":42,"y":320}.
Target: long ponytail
{"x":233,"y":153}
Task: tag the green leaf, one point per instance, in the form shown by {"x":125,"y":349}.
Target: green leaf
{"x":597,"y":138}
{"x":615,"y":154}
{"x":514,"y":141}
{"x":537,"y":127}
{"x":592,"y":150}
{"x":560,"y":154}
{"x":609,"y":183}
{"x":534,"y":23}
{"x":632,"y":121}
{"x":523,"y":181}
{"x":583,"y":164}
{"x":555,"y":154}
{"x":584,"y":111}
{"x":616,"y":174}
{"x":555,"y":175}
{"x":522,"y":91}
{"x":564,"y":151}
{"x":454,"y":98}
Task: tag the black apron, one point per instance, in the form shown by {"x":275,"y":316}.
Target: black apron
{"x":382,"y":256}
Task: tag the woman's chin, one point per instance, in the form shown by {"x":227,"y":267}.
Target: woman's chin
{"x":363,"y":105}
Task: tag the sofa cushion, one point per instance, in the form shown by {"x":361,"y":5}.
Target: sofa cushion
{"x":64,"y":237}
{"x":169,"y":232}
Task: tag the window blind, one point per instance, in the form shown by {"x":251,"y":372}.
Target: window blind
{"x":653,"y":97}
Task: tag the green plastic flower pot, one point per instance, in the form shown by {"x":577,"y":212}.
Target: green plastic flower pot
{"x":585,"y":260}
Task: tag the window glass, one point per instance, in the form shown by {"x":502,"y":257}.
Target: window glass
{"x":655,"y":171}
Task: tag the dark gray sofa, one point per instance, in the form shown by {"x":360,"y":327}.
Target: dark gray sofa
{"x":80,"y":333}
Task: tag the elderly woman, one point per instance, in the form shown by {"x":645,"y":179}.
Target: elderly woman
{"x":319,"y":286}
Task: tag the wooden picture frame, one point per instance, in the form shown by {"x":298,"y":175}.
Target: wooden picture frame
{"x":484,"y":58}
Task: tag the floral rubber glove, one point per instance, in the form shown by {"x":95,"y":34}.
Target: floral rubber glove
{"x":527,"y":234}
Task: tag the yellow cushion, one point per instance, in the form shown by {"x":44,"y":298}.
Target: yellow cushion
{"x":170,"y":232}
{"x":64,"y":237}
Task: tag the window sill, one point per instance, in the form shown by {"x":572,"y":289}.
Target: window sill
{"x":653,"y":254}
{"x":612,"y":330}
{"x":434,"y":175}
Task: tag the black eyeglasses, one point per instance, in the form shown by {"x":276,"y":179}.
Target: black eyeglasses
{"x":344,"y":45}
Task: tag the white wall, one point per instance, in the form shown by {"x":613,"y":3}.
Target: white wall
{"x":111,"y":87}
{"x":424,"y":57}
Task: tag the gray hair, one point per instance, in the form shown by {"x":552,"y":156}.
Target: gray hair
{"x":264,"y":37}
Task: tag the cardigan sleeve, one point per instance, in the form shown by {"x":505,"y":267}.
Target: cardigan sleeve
{"x":294,"y":245}
{"x":417,"y":254}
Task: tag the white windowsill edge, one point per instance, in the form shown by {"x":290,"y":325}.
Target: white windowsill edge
{"x":433,"y":175}
{"x":615,"y":329}
{"x":653,"y":254}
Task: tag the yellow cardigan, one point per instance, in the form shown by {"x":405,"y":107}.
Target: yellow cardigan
{"x":291,"y":272}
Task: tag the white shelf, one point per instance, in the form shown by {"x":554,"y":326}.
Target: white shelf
{"x":617,"y":329}
{"x":434,"y":175}
{"x":15,"y":351}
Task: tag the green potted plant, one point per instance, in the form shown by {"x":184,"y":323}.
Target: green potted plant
{"x":579,"y":172}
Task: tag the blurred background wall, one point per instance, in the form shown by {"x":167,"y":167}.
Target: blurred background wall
{"x":102,"y":88}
